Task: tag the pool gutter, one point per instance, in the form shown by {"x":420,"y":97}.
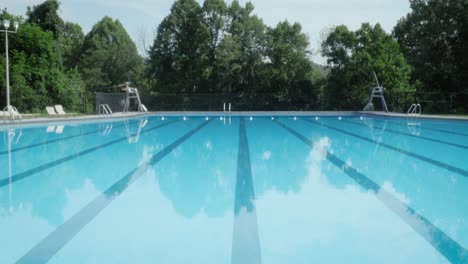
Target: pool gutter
{"x":400,"y":115}
{"x":123,"y":116}
{"x":67,"y":119}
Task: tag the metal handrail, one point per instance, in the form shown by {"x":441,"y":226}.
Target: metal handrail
{"x":142,"y":108}
{"x":104,"y":110}
{"x":411,"y":109}
{"x":229,"y":107}
{"x":109,"y":110}
{"x":415,"y":109}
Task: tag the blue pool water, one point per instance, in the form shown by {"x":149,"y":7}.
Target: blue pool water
{"x":235,"y":190}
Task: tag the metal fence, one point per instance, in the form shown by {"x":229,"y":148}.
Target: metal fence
{"x":239,"y":102}
{"x":115,"y":101}
{"x":456,"y":103}
{"x":432,"y":103}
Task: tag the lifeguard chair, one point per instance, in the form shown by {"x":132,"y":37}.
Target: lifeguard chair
{"x":132,"y":93}
{"x":376,"y":92}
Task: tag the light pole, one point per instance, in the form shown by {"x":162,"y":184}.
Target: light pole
{"x":6,"y":24}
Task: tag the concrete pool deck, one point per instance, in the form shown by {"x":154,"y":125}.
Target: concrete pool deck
{"x":422,"y":116}
{"x":32,"y":120}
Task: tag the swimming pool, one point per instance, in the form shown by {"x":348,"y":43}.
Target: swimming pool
{"x":278,"y":189}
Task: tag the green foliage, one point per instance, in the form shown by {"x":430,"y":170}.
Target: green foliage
{"x":290,"y":72}
{"x":353,"y":57}
{"x":108,"y":56}
{"x":434,"y":39}
{"x":69,"y":43}
{"x":68,"y":36}
{"x":215,"y":13}
{"x":226,"y":49}
{"x":52,"y":61}
{"x":35,"y":75}
{"x":179,"y":55}
{"x":242,"y":51}
{"x":46,"y":16}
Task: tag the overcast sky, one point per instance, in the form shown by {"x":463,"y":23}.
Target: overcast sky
{"x":141,"y":17}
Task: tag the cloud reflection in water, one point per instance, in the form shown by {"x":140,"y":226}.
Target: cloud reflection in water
{"x":331,"y":213}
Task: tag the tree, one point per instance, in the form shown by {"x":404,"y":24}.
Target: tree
{"x":46,"y":16}
{"x":68,"y":36}
{"x":353,"y":57}
{"x":241,"y":52}
{"x":69,"y":45}
{"x":178,"y":57}
{"x":35,"y":74}
{"x":225,"y":49}
{"x":37,"y":77}
{"x":434,"y":40}
{"x":67,"y":40}
{"x":215,"y":14}
{"x":108,"y":56}
{"x":290,"y":69}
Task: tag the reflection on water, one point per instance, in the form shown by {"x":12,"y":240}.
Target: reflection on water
{"x":11,"y":138}
{"x":45,"y":192}
{"x":332,"y":213}
{"x":55,"y":129}
{"x":201,"y":173}
{"x":308,"y":209}
{"x":132,"y":134}
{"x":245,"y":238}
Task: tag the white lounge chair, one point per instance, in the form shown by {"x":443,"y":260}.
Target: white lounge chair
{"x":60,"y":110}
{"x":51,"y":111}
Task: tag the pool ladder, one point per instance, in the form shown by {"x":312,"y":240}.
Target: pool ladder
{"x":229,"y":108}
{"x":104,"y":110}
{"x":228,"y":111}
{"x":414,"y":110}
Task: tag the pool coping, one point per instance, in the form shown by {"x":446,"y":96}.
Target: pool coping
{"x":254,"y":113}
{"x":67,"y":119}
{"x":422,"y":116}
{"x":122,"y":116}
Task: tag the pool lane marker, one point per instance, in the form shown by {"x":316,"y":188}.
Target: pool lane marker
{"x":443,"y":243}
{"x":245,"y":237}
{"x":56,"y":240}
{"x":408,"y":153}
{"x":54,"y":141}
{"x":33,"y":171}
{"x":410,"y":135}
